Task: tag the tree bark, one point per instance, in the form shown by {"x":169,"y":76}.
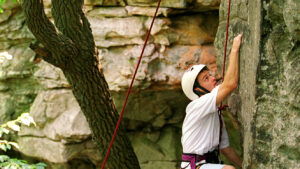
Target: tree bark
{"x":73,"y":50}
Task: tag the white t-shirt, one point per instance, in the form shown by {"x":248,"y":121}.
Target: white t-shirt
{"x":201,"y":126}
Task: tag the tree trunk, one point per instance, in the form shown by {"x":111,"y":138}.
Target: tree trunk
{"x":73,"y":50}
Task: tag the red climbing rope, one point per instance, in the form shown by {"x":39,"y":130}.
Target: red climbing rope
{"x":226,"y":40}
{"x":129,"y":90}
{"x":223,"y":72}
{"x":225,"y":45}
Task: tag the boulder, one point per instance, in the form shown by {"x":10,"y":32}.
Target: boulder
{"x":159,"y":152}
{"x":56,"y":151}
{"x":50,"y":77}
{"x":15,"y":29}
{"x":58,"y":117}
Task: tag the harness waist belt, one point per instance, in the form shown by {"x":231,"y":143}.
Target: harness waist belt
{"x":196,"y":160}
{"x":192,"y":158}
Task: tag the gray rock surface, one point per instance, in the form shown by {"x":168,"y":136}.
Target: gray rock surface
{"x":62,"y":136}
{"x":268,"y":99}
{"x":266,"y":103}
{"x":57,"y":151}
{"x":58,"y":117}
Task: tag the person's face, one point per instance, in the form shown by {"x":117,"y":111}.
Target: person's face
{"x":209,"y":59}
{"x":206,"y":80}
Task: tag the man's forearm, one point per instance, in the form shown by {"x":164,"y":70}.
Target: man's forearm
{"x":230,"y":81}
{"x":232,"y":156}
{"x":232,"y":73}
{"x":231,"y":77}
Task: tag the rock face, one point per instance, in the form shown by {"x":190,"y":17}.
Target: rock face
{"x":266,"y":103}
{"x":181,"y":35}
{"x":62,"y":132}
{"x":268,"y":96}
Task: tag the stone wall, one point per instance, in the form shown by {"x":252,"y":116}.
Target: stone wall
{"x":182,"y":33}
{"x":278,"y":138}
{"x":267,"y":101}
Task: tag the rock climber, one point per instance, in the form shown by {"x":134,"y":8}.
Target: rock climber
{"x":203,"y":125}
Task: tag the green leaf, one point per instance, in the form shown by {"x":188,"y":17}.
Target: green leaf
{"x":14,"y":167}
{"x":11,"y":163}
{"x":20,"y":164}
{"x":40,"y":165}
{"x":1,"y":132}
{"x":5,"y":130}
{"x":13,"y":126}
{"x":8,"y":146}
{"x":14,"y":144}
{"x":3,"y":158}
{"x":4,"y":164}
{"x":10,"y":166}
{"x":26,"y":119}
{"x":18,"y":161}
{"x":3,"y":147}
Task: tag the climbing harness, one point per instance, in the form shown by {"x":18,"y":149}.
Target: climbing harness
{"x":129,"y":90}
{"x":195,"y":161}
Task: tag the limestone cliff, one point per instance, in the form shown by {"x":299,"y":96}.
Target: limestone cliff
{"x":181,"y":34}
{"x":266,"y":103}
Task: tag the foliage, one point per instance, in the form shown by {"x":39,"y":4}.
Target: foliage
{"x":1,"y":4}
{"x":5,"y":161}
{"x":5,"y":55}
{"x":13,"y":125}
{"x":11,"y":163}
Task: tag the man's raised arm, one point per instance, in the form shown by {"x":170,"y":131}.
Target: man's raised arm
{"x":231,"y":78}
